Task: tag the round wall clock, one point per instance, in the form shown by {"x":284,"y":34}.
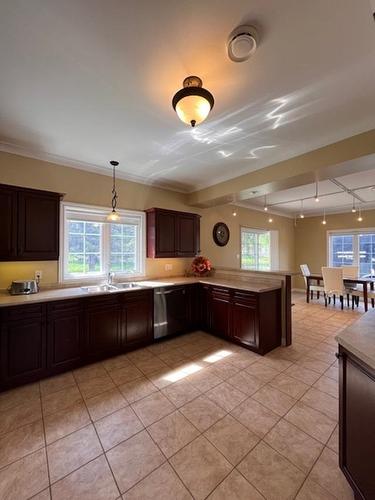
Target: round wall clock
{"x":221,"y":234}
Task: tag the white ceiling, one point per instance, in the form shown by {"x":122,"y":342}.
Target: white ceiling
{"x":334,"y":197}
{"x":86,"y":81}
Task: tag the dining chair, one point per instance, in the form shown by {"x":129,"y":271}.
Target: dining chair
{"x":352,"y":272}
{"x":333,"y":278}
{"x":313,"y":288}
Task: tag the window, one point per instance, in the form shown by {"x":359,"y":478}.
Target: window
{"x":259,"y":249}
{"x":353,"y":248}
{"x":92,"y":247}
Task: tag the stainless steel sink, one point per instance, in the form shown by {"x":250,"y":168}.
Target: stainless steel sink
{"x":99,"y":288}
{"x":124,"y":286}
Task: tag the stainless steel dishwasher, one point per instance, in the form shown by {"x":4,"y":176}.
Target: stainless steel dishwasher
{"x":170,"y":311}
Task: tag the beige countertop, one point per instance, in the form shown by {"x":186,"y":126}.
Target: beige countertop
{"x":359,"y":338}
{"x":52,"y":294}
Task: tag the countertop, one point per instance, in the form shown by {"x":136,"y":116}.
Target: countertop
{"x":359,"y":338}
{"x":52,"y":294}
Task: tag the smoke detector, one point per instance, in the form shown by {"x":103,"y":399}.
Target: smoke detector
{"x":242,"y":43}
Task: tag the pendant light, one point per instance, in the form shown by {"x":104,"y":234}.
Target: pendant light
{"x":353,"y":206}
{"x":316,"y":192}
{"x":113,"y":216}
{"x":360,"y":218}
{"x":265,"y":204}
{"x":301,"y":215}
{"x":193,"y":103}
{"x":324,"y":222}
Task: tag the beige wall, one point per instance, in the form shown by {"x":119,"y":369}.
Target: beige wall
{"x":311,"y":237}
{"x":84,"y":187}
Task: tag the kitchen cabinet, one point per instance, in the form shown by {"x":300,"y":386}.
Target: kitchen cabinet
{"x":102,"y":326}
{"x":245,"y":320}
{"x":64,"y":335}
{"x":137,"y":318}
{"x":221,"y":311}
{"x":30,"y":224}
{"x":356,"y":423}
{"x":172,"y":234}
{"x":172,"y":310}
{"x":23,"y":345}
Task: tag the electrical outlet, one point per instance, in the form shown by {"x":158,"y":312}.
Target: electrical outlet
{"x":168,"y":267}
{"x":38,"y":275}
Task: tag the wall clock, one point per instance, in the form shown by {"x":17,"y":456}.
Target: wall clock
{"x":221,"y":234}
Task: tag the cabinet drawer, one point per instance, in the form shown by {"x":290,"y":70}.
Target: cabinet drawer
{"x":64,"y":306}
{"x":16,"y":313}
{"x":102,"y":301}
{"x":247,"y":297}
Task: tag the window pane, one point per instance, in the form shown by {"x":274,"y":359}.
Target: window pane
{"x":255,"y":250}
{"x":92,"y":263}
{"x":76,"y":243}
{"x":84,"y":247}
{"x":342,"y":250}
{"x":76,"y":263}
{"x":123,"y":248}
{"x":366,"y":254}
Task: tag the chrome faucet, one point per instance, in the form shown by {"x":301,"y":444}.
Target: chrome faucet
{"x":110,"y":278}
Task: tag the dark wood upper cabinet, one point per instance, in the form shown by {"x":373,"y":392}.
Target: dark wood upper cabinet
{"x":29,"y":224}
{"x":172,"y":234}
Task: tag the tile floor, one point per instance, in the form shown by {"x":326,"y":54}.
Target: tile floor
{"x":192,"y":417}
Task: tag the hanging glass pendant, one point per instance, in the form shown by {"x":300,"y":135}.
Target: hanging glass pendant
{"x":113,"y":216}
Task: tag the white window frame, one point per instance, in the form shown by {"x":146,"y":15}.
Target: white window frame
{"x":274,"y":247}
{"x":69,"y":211}
{"x":353,"y":232}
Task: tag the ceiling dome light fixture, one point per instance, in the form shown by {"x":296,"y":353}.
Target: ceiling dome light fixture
{"x":193,"y":103}
{"x":242,"y":43}
{"x":113,"y":216}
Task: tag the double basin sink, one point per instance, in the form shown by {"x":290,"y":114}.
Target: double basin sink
{"x":110,"y":288}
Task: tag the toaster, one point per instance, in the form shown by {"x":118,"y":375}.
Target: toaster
{"x":23,"y":287}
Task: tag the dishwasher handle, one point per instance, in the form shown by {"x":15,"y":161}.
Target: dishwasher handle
{"x":165,"y":292}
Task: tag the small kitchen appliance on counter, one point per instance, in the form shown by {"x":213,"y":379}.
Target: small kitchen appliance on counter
{"x":23,"y":287}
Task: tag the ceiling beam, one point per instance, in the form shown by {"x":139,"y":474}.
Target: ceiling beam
{"x":352,"y":155}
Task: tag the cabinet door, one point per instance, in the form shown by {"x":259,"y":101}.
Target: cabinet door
{"x":245,"y":322}
{"x":38,"y":226}
{"x":356,"y":423}
{"x":187,"y":235}
{"x":102,"y":330}
{"x":220,"y":312}
{"x":64,"y":335}
{"x":205,"y":307}
{"x":165,"y":234}
{"x":137,"y":319}
{"x":23,"y":351}
{"x":177,"y":308}
{"x":8,"y":223}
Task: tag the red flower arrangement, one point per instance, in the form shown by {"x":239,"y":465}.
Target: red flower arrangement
{"x":201,"y":266}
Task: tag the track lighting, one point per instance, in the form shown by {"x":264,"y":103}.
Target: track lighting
{"x":324,"y":222}
{"x":234,"y":214}
{"x":359,"y":219}
{"x":270,"y":220}
{"x":301,"y":216}
{"x":265,"y":204}
{"x":353,"y":206}
{"x":316,"y":192}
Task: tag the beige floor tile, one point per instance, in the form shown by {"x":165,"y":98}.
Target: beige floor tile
{"x":226,"y":396}
{"x":311,"y":421}
{"x":277,"y":364}
{"x":153,"y":408}
{"x":313,"y":491}
{"x":245,"y":382}
{"x":272,"y":474}
{"x":332,"y":372}
{"x":162,"y":378}
{"x":116,"y":362}
{"x":322,"y":402}
{"x":172,"y":432}
{"x":134,"y":459}
{"x":57,"y":401}
{"x":295,"y":445}
{"x":94,"y":386}
{"x":289,"y":385}
{"x":88,"y":372}
{"x":328,"y":385}
{"x":24,"y":478}
{"x":151,"y":365}
{"x":256,"y":417}
{"x":313,"y":364}
{"x":43,"y":495}
{"x":202,"y":412}
{"x":71,"y":452}
{"x":232,"y":439}
{"x":224,"y":369}
{"x":275,"y":400}
{"x":262,"y":372}
{"x":303,"y":374}
{"x":55,"y":384}
{"x":204,"y":380}
{"x":103,"y":404}
{"x":93,"y":481}
{"x":125,"y":374}
{"x":235,"y":487}
{"x":22,"y":414}
{"x":15,"y":397}
{"x":141,"y":354}
{"x":200,"y":466}
{"x":181,"y":392}
{"x":163,"y":484}
{"x":164,"y":346}
{"x":62,"y":423}
{"x":326,"y":472}
{"x":243,"y":359}
{"x":16,"y":444}
{"x":333,"y":441}
{"x":137,"y":389}
{"x":118,"y":427}
{"x":173,"y":356}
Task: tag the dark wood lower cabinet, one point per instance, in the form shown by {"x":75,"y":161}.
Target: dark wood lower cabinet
{"x":137,"y":314}
{"x":245,"y":325}
{"x":102,"y":327}
{"x":221,"y":312}
{"x":356,"y":424}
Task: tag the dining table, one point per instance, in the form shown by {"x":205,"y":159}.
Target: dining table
{"x":365,"y":281}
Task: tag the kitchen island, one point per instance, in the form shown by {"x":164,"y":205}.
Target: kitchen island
{"x":357,"y":405}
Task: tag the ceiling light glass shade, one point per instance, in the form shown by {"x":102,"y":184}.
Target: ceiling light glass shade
{"x":193,"y":103}
{"x":113,"y":216}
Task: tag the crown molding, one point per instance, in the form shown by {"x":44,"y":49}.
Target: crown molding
{"x":64,"y":161}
